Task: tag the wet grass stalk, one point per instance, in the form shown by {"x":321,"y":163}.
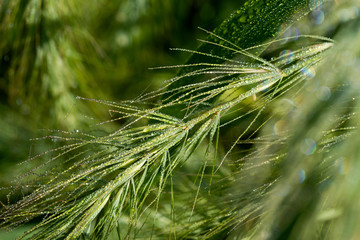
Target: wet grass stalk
{"x":130,"y":184}
{"x":128,"y":163}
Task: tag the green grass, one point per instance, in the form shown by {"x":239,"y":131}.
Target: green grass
{"x":255,"y":138}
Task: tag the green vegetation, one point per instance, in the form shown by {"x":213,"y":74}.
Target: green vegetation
{"x":255,"y":136}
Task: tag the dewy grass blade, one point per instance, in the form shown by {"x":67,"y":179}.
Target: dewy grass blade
{"x":117,"y":177}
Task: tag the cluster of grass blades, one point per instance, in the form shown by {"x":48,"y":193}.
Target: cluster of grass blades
{"x":126,"y":165}
{"x":129,"y":184}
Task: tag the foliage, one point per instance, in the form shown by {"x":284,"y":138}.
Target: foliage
{"x":95,"y":50}
{"x":254,"y":138}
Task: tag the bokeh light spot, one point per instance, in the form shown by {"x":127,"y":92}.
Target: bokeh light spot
{"x":323,"y":93}
{"x":308,"y":72}
{"x":302,"y":176}
{"x":287,"y":56}
{"x":308,"y":146}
